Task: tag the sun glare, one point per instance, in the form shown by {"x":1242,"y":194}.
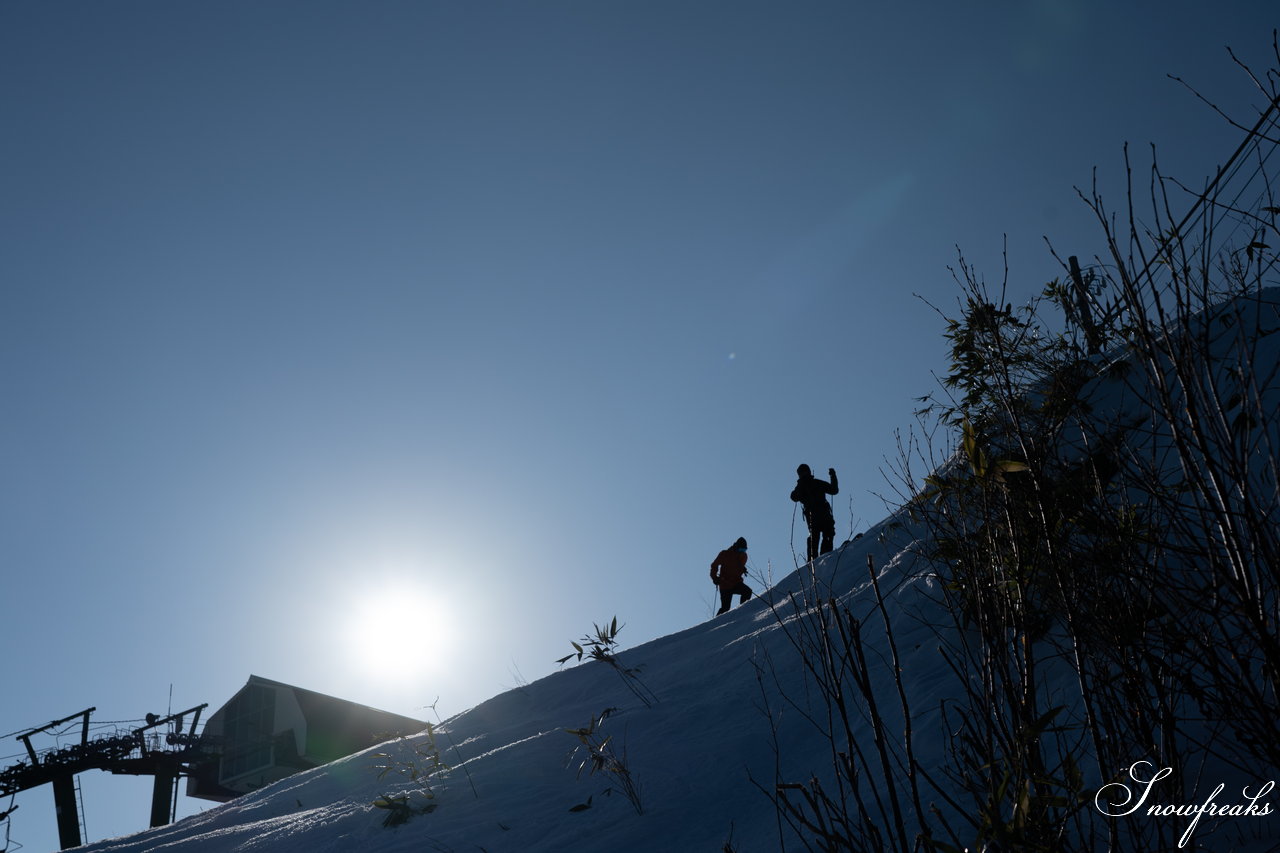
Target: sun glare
{"x":398,"y":629}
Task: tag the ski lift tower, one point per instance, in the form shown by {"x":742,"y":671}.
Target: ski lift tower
{"x":135,"y":753}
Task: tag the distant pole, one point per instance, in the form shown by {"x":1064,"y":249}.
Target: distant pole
{"x":162,"y":792}
{"x":64,"y":804}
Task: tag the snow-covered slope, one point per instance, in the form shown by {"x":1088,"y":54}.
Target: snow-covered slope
{"x":513,"y":782}
{"x":736,"y":712}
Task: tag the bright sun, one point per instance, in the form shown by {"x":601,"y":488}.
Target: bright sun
{"x":398,"y":629}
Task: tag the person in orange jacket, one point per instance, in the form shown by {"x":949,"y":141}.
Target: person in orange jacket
{"x":727,"y":570}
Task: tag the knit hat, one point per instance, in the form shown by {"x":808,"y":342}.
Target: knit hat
{"x":804,"y":471}
{"x":741,"y":543}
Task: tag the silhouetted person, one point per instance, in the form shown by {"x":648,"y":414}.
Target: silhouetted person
{"x":811,"y":494}
{"x":727,"y":570}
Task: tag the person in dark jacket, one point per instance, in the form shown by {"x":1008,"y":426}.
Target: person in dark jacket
{"x":811,"y":493}
{"x":727,"y":570}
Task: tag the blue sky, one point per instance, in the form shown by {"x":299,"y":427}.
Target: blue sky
{"x":322,"y":321}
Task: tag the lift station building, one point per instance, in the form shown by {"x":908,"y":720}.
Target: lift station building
{"x":269,"y":730}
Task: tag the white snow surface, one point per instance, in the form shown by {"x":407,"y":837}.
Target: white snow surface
{"x":703,"y":755}
{"x":693,"y":753}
